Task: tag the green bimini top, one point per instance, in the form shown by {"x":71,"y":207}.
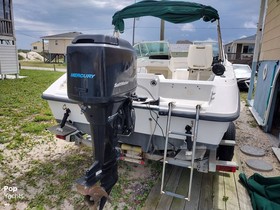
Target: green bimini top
{"x":171,"y":11}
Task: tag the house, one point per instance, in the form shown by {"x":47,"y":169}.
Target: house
{"x":265,"y":105}
{"x":241,"y":50}
{"x":57,"y":45}
{"x":8,"y":49}
{"x":38,"y":47}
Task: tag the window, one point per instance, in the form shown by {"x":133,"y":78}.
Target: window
{"x":35,"y":48}
{"x":1,"y":9}
{"x":248,"y":48}
{"x":7,"y":13}
{"x":56,"y":42}
{"x":228,"y":49}
{"x":5,"y":9}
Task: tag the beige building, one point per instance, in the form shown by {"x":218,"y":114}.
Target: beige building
{"x":38,"y":46}
{"x":241,"y":50}
{"x":265,"y":105}
{"x":57,"y":45}
{"x":270,"y":48}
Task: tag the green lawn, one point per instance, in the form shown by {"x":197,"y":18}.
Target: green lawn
{"x":42,"y":64}
{"x":24,"y":117}
{"x":48,"y":183}
{"x":22,"y":110}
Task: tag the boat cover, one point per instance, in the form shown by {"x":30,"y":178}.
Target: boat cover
{"x":171,"y":11}
{"x":263,"y":191}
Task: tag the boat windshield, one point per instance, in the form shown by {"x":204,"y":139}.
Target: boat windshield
{"x":152,"y":49}
{"x":161,"y":50}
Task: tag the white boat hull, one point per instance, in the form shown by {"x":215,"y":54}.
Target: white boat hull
{"x":219,"y":101}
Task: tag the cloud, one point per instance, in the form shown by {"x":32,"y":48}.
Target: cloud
{"x":243,"y":36}
{"x":206,"y":40}
{"x":108,"y":4}
{"x":40,"y":18}
{"x":188,"y":27}
{"x":32,"y":25}
{"x":251,"y":23}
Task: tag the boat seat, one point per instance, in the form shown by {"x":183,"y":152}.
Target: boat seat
{"x":200,"y":60}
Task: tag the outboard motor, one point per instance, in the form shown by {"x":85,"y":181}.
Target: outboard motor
{"x":101,"y":77}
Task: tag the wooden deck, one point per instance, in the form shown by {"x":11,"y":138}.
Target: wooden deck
{"x":220,"y":190}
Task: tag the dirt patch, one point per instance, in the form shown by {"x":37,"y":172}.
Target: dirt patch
{"x":249,"y":133}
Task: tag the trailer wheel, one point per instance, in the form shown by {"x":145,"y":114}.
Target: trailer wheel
{"x":226,"y":152}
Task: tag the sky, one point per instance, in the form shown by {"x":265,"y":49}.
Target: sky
{"x":34,"y":19}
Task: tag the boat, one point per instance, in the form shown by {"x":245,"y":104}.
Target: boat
{"x":181,"y":111}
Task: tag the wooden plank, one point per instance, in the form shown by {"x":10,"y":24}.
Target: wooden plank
{"x":165,"y":200}
{"x":242,"y":194}
{"x":276,"y":152}
{"x":154,"y":195}
{"x":218,"y":191}
{"x":196,"y":189}
{"x":206,"y":194}
{"x":230,"y":196}
{"x":182,"y":189}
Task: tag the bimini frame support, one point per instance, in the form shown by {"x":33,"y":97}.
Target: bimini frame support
{"x":220,"y":42}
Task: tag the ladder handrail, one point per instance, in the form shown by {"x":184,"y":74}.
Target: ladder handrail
{"x":166,"y":143}
{"x":193,"y":149}
{"x":194,"y":139}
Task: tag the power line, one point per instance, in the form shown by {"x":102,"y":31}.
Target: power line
{"x":27,"y":35}
{"x":130,"y":28}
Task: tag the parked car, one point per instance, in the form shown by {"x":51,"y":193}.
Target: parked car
{"x":243,"y":74}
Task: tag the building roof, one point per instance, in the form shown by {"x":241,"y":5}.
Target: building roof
{"x":69,"y":35}
{"x":246,"y":39}
{"x":184,"y":42}
{"x":36,"y":42}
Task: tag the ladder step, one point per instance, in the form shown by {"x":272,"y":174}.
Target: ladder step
{"x":180,"y":134}
{"x":174,"y":195}
{"x":176,"y":162}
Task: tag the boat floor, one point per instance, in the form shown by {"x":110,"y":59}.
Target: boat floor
{"x":220,"y":190}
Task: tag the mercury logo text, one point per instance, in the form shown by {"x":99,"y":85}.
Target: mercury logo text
{"x":82,"y":76}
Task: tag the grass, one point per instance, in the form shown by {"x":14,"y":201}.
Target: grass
{"x":22,"y":108}
{"x":61,"y":174}
{"x":48,"y":183}
{"x":24,"y":118}
{"x":141,"y":187}
{"x":42,"y":64}
{"x":243,"y":96}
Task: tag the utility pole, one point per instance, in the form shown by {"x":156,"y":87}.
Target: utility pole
{"x":161,"y":29}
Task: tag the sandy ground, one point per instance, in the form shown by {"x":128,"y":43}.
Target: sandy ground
{"x":249,"y":133}
{"x":18,"y":162}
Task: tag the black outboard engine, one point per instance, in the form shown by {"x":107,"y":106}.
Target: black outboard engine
{"x":102,"y":78}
